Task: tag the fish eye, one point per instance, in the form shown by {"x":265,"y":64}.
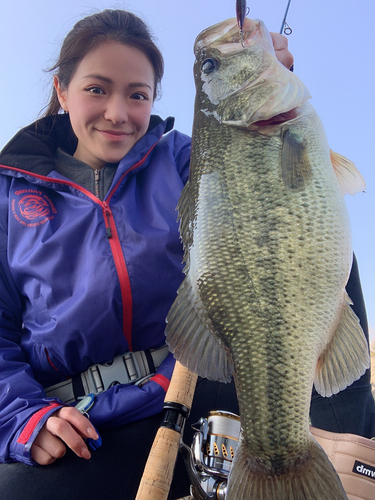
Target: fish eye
{"x":209,"y":65}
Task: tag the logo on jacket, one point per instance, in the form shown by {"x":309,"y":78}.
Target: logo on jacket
{"x":32,"y":207}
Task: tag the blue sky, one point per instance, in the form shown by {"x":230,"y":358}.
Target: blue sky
{"x":332,"y":43}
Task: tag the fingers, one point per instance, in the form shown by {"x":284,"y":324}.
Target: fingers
{"x":67,"y":427}
{"x":63,"y":429}
{"x":280,"y":44}
{"x":46,"y":448}
{"x":81,"y":423}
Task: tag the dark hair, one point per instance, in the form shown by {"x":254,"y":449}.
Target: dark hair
{"x":118,"y":25}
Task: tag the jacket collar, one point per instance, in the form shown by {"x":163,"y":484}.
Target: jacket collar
{"x":33,"y":147}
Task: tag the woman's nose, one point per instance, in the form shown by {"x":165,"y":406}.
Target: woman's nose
{"x":117,"y":110}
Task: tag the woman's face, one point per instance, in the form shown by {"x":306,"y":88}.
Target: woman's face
{"x":109,"y":100}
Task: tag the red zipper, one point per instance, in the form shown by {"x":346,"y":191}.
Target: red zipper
{"x":107,"y":212}
{"x":122,"y":271}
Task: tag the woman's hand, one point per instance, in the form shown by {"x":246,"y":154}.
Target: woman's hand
{"x":280,"y":44}
{"x":66,"y":426}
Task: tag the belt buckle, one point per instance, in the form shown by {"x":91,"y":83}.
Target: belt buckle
{"x":131,"y":366}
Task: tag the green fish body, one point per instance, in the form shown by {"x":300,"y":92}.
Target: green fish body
{"x":268,"y":254}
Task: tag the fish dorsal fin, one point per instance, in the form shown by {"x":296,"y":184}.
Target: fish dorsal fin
{"x":346,"y":357}
{"x":349,"y":177}
{"x":191,"y":337}
{"x":295,"y":165}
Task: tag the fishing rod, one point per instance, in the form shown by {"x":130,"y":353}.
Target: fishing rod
{"x":242,"y":10}
{"x":158,"y":473}
{"x":285,"y":28}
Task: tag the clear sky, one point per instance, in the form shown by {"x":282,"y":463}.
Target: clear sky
{"x":332,"y":43}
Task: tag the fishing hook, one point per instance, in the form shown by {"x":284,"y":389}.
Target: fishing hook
{"x":241,"y":11}
{"x":284,"y":25}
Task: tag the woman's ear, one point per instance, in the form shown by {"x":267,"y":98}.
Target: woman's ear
{"x":61,"y":94}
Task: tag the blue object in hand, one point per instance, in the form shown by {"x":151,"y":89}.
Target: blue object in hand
{"x":83,"y":406}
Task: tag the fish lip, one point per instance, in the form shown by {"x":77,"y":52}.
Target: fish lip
{"x":279,"y":119}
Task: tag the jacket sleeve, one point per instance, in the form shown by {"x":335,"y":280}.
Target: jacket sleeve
{"x":23,"y":406}
{"x":123,"y":404}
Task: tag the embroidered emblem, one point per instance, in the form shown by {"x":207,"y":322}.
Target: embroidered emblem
{"x":32,"y":207}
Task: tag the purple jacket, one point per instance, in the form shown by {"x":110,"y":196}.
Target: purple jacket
{"x":69,"y":295}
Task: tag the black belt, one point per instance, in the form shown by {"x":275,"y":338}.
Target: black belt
{"x":128,"y":368}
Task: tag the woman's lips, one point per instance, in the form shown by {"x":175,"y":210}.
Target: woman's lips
{"x":114,"y":135}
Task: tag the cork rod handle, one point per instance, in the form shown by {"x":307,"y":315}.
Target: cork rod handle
{"x":157,"y":476}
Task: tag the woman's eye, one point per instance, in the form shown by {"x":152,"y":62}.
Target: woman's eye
{"x":95,"y":90}
{"x":139,"y":97}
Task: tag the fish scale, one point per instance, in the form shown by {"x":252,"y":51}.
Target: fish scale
{"x":267,"y":250}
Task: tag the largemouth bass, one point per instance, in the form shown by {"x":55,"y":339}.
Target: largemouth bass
{"x":268,"y":255}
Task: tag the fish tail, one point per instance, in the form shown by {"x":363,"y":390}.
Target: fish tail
{"x":314,"y":479}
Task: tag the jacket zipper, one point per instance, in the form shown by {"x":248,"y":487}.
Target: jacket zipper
{"x":97,"y":178}
{"x":107,"y":212}
{"x":122,"y":271}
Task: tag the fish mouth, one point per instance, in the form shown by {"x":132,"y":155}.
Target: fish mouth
{"x":277,"y":119}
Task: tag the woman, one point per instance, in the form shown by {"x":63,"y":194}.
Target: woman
{"x":90,"y":268}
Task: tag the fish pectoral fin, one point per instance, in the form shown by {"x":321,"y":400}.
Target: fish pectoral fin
{"x":346,"y":357}
{"x":349,"y":177}
{"x":191,"y":338}
{"x":295,"y":165}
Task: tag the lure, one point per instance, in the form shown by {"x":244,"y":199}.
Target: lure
{"x":241,"y":11}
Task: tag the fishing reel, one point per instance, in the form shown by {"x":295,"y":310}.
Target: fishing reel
{"x":210,"y":457}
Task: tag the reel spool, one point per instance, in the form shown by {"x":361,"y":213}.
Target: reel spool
{"x":210,"y":457}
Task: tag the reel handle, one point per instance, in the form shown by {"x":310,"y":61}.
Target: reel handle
{"x":158,"y":473}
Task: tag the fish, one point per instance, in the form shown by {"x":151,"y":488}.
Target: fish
{"x":267,"y":253}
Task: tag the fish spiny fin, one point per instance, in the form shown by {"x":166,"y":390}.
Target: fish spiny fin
{"x":295,"y":165}
{"x":346,"y":357}
{"x":314,"y":478}
{"x":349,"y":177}
{"x":191,"y":337}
